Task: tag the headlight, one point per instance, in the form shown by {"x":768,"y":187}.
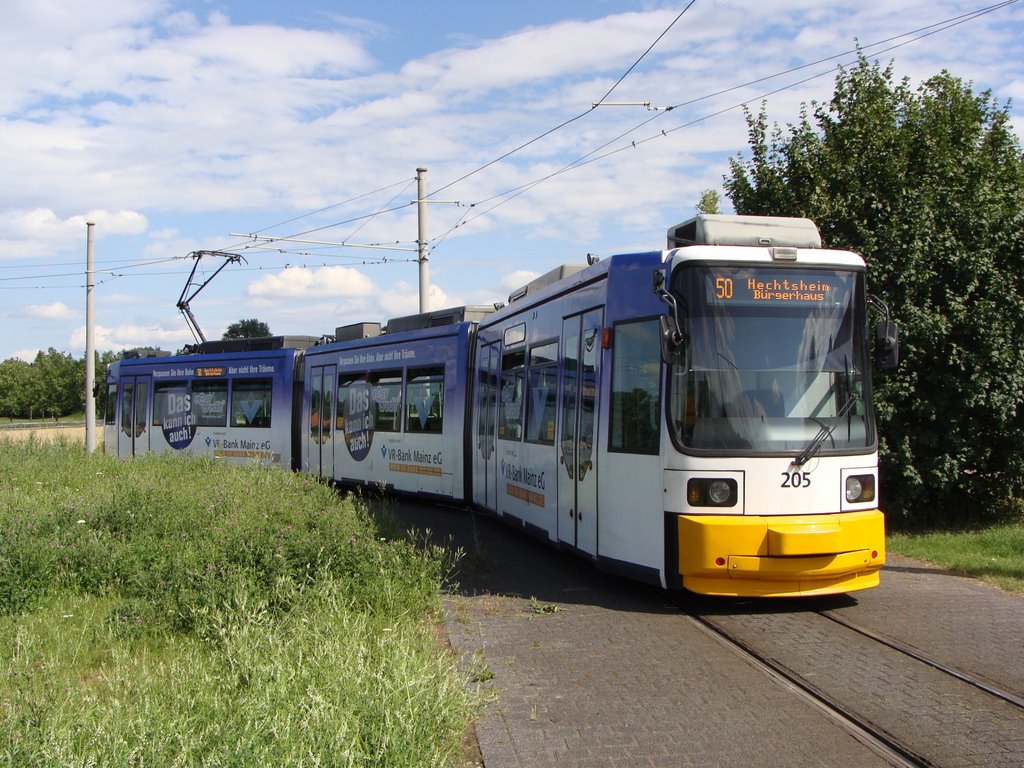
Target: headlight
{"x":708,"y":492}
{"x":719,"y":492}
{"x":860,"y":488}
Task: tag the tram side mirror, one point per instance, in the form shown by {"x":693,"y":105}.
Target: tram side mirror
{"x":887,"y":346}
{"x":671,"y":340}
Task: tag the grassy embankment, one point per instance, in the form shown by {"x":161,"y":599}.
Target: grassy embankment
{"x":177,"y":612}
{"x":995,"y":554}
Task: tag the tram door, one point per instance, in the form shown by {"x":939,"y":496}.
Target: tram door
{"x":131,"y":433}
{"x":321,"y":419}
{"x":577,"y":454}
{"x":485,"y":477}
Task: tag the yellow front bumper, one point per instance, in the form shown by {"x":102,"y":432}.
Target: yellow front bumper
{"x":781,"y":556}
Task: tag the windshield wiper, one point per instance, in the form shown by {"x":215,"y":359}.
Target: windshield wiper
{"x":825,"y":432}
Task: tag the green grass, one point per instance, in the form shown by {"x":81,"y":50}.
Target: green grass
{"x":995,"y":554}
{"x":178,"y":612}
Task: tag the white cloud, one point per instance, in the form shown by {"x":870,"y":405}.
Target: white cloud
{"x":403,"y":298}
{"x":41,"y":231}
{"x":58,"y":310}
{"x":304,"y":283}
{"x":27,"y":354}
{"x":517,"y":279}
{"x":540,"y":53}
{"x":130,"y":336}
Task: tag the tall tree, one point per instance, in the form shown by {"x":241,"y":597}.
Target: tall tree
{"x":927,"y":184}
{"x":59,"y":383}
{"x":15,"y":387}
{"x":247,"y":329}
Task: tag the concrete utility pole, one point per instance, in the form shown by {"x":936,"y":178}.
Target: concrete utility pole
{"x":421,"y":209}
{"x":90,"y":345}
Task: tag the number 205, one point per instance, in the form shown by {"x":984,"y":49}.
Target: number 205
{"x":796,"y":479}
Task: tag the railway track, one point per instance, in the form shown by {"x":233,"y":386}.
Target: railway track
{"x":909,"y":708}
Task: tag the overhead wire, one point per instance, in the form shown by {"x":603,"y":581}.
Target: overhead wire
{"x":334,"y":205}
{"x":571,"y":120}
{"x":97,"y":270}
{"x":914,"y":35}
{"x":365,"y":219}
{"x":474,"y":212}
{"x":521,"y":146}
{"x":362,"y":220}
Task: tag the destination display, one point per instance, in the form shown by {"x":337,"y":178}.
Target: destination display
{"x":745,"y":287}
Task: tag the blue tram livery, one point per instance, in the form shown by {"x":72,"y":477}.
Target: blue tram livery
{"x":231,"y":400}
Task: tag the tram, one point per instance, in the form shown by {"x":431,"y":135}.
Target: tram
{"x":231,"y":400}
{"x":696,"y":417}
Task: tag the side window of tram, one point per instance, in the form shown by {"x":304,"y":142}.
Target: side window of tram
{"x":350,"y":405}
{"x":510,"y":398}
{"x":386,"y":401}
{"x":210,"y":403}
{"x":161,"y":392}
{"x":315,"y":400}
{"x":636,"y":387}
{"x":424,"y":401}
{"x":133,"y":408}
{"x":141,"y":397}
{"x":542,"y":394}
{"x":127,"y":407}
{"x":110,"y":412}
{"x":251,"y":401}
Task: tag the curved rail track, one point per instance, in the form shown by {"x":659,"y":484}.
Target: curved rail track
{"x":909,"y":708}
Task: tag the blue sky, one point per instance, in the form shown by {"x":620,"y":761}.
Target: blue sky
{"x":175,"y":124}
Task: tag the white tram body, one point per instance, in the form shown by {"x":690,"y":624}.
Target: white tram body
{"x":699,"y":416}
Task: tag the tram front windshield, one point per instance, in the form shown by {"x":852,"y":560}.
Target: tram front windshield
{"x":773,"y":360}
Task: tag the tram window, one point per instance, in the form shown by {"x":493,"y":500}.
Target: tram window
{"x":353,"y":403}
{"x":159,"y":401}
{"x":515,"y":335}
{"x":510,"y":410}
{"x":210,"y":402}
{"x":636,"y":379}
{"x":110,"y":412}
{"x":542,"y":394}
{"x":316,"y":392}
{"x":424,"y":400}
{"x":386,"y":399}
{"x":160,"y":392}
{"x":251,"y":401}
{"x":127,"y":403}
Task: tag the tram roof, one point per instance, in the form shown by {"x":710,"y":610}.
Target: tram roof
{"x":771,"y":231}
